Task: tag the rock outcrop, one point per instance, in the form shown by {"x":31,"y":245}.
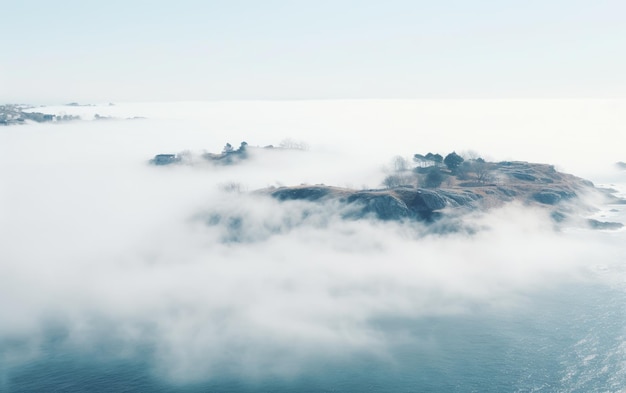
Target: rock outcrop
{"x":528,"y":183}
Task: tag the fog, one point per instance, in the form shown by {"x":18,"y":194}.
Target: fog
{"x":102,"y":250}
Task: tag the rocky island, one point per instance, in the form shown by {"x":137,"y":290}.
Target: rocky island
{"x":435,"y":187}
{"x":430,"y":192}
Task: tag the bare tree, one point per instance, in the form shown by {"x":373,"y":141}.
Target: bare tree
{"x":400,"y":164}
{"x":483,"y":171}
{"x":398,"y":180}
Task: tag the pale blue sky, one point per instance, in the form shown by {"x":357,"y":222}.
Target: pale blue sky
{"x":99,"y":51}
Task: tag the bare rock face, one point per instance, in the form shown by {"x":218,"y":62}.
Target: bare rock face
{"x":421,"y":200}
{"x":311,"y":193}
{"x":392,"y":204}
{"x":384,"y":206}
{"x":547,"y":197}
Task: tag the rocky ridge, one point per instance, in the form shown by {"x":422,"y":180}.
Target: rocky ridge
{"x":528,"y":183}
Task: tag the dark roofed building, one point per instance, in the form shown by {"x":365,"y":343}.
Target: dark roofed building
{"x":165,"y":159}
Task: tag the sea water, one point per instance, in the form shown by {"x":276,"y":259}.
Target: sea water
{"x":570,"y":339}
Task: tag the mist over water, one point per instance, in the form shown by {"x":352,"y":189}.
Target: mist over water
{"x":114,"y":272}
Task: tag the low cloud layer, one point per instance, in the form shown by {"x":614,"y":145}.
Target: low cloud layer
{"x":99,"y":247}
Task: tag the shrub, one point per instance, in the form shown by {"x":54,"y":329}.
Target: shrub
{"x":434,"y":178}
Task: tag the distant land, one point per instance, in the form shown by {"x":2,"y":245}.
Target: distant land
{"x":16,"y":114}
{"x":19,"y":114}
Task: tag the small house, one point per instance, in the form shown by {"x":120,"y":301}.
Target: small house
{"x":165,"y":159}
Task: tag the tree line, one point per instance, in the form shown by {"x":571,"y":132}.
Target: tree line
{"x":432,"y":170}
